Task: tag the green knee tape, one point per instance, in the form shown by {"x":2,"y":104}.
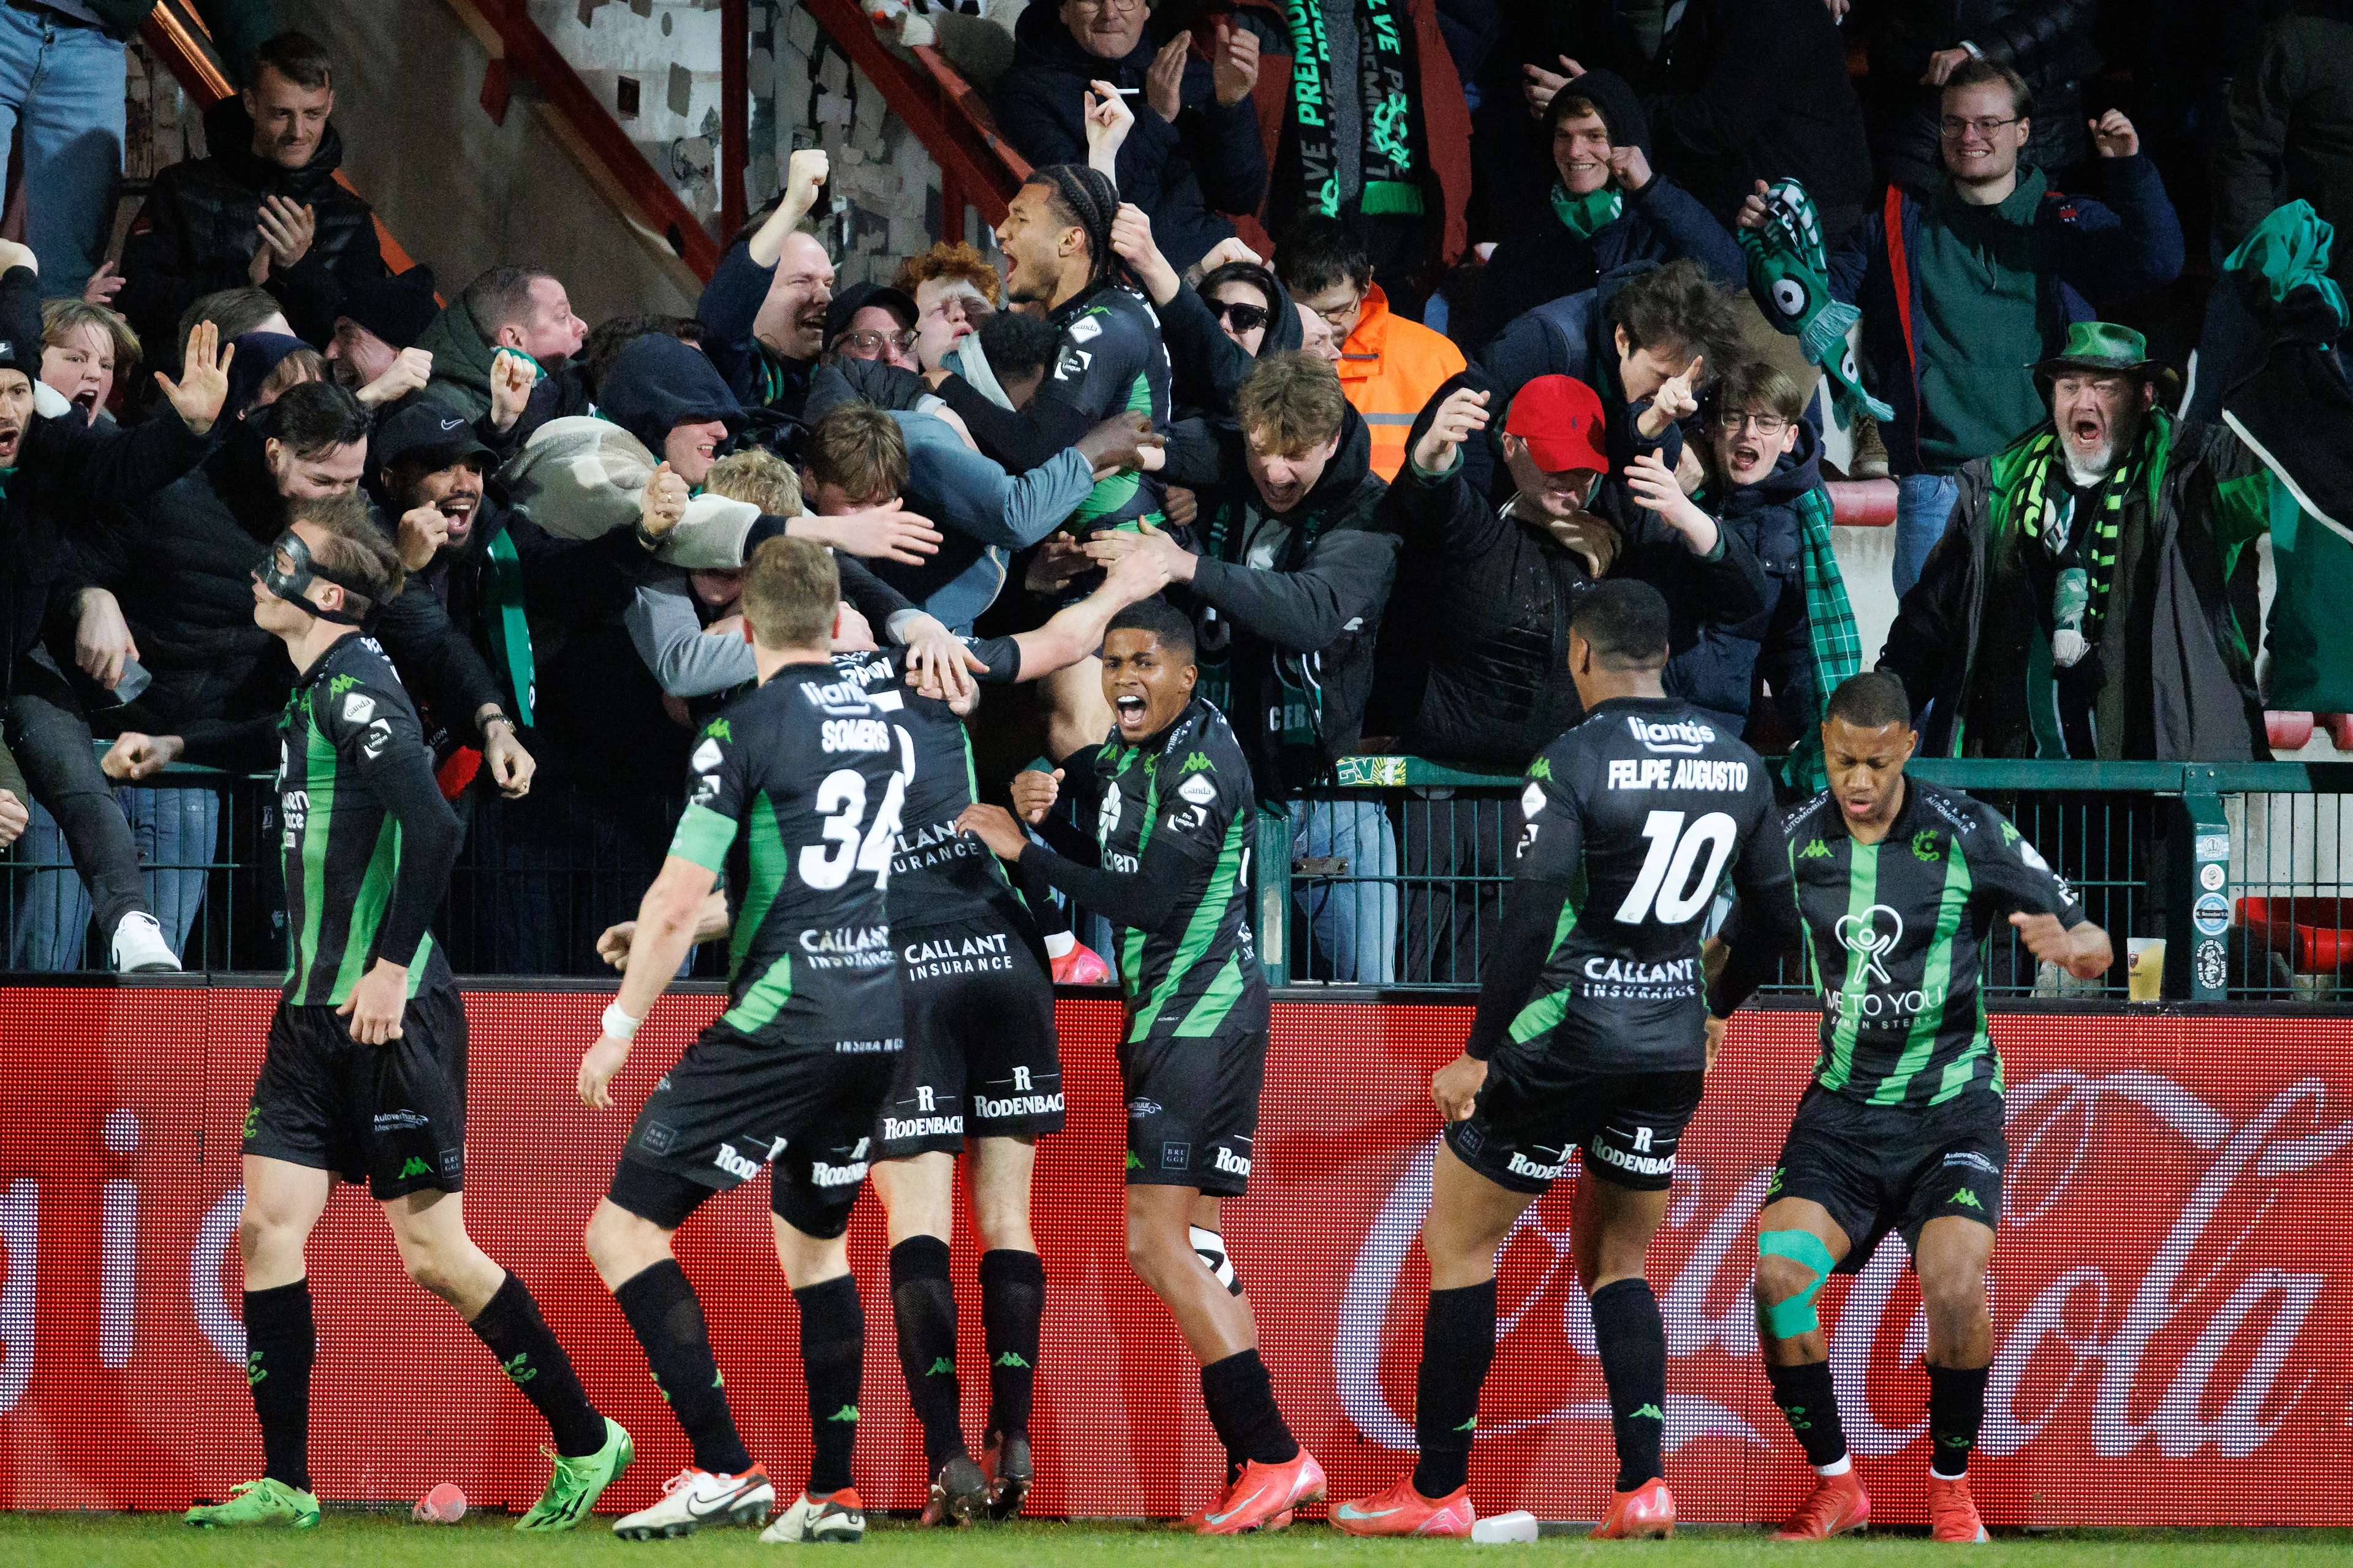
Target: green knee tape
{"x":1786,"y":1320}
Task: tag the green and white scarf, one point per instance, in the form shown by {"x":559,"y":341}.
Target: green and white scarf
{"x":2043,"y":511}
{"x":1585,"y":216}
{"x":1837,"y":645}
{"x":1389,"y":186}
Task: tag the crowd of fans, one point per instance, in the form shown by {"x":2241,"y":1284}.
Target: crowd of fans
{"x":1527,"y":323}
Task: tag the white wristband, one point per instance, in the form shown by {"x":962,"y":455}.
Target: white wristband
{"x":619,"y":1024}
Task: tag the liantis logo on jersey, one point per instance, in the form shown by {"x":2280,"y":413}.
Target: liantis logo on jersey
{"x":1681,"y":735}
{"x":842,"y":699}
{"x":2168,"y":1325}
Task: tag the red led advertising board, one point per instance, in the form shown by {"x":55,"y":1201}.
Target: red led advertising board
{"x":2172,"y":1293}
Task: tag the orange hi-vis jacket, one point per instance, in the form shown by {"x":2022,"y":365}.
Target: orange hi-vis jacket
{"x":1389,"y":368}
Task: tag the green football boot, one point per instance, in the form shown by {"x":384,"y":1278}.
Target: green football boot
{"x":578,"y":1483}
{"x":265,"y":1501}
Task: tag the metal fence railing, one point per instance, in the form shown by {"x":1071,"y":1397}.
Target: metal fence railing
{"x":1393,"y":875}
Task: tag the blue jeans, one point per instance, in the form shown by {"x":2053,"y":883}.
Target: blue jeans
{"x":1924,"y":504}
{"x":64,"y":84}
{"x":176,"y":830}
{"x":1353,"y":923}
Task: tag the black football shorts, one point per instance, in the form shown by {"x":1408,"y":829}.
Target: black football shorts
{"x":393,"y":1115}
{"x":1625,"y":1127}
{"x":1878,"y":1168}
{"x":981,"y":1058}
{"x":1192,"y":1108}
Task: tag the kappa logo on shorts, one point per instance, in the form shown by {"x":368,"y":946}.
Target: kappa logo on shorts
{"x":1966,"y":1199}
{"x":415,"y":1166}
{"x":1176,"y":1156}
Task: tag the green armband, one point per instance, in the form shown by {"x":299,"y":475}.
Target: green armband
{"x":702,"y":836}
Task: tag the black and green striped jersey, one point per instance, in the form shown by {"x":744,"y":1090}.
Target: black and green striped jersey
{"x":1895,"y":933}
{"x":1110,"y":359}
{"x":794,"y":794}
{"x":367,"y":838}
{"x":937,"y":874}
{"x":1634,"y":817}
{"x":1185,"y":796}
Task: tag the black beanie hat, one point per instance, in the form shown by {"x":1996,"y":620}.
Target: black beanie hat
{"x":397,"y":308}
{"x":1613,"y":96}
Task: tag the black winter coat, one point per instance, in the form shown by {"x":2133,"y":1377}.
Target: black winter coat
{"x":1716,"y":667}
{"x":1492,"y":605}
{"x":1182,"y":173}
{"x":1310,"y":620}
{"x":183,"y":568}
{"x":195,"y":235}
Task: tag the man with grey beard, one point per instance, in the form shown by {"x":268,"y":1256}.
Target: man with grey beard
{"x":2094,"y":594}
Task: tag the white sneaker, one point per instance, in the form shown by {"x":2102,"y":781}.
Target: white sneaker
{"x":696,"y":1499}
{"x":140,"y":947}
{"x":838,"y":1517}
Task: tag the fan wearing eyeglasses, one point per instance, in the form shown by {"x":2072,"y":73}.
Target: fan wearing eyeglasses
{"x":1963,"y":283}
{"x":873,"y":321}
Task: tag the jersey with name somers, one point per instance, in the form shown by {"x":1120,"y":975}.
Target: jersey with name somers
{"x":348,"y":720}
{"x":795,"y":793}
{"x":938,"y":874}
{"x":1188,"y":791}
{"x":1642,"y":808}
{"x":1894,"y":936}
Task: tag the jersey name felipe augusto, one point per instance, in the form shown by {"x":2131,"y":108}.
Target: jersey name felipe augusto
{"x":795,"y":793}
{"x":1640,"y":809}
{"x":1895,"y":934}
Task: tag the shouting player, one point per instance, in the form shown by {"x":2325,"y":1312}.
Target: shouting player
{"x":794,"y":792}
{"x":981,"y":1063}
{"x":1896,"y":884}
{"x":1588,"y":1037}
{"x":1169,"y":867}
{"x":365,"y":1074}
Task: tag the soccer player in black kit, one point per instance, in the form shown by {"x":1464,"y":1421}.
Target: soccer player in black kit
{"x":365,"y":1074}
{"x":1590,"y":1037}
{"x":1896,"y":885}
{"x":794,"y":791}
{"x":981,"y":1074}
{"x":1175,"y":820}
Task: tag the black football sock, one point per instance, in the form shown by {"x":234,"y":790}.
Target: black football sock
{"x":664,"y":1314}
{"x":833,"y":1360}
{"x":281,"y":1342}
{"x":528,"y":1353}
{"x":1956,"y":1411}
{"x":1632,"y":1341}
{"x":1240,"y":1398}
{"x":1810,"y":1404}
{"x":922,"y":1305}
{"x":1012,"y":1305}
{"x":1458,"y":1346}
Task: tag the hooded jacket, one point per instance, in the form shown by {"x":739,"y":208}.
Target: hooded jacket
{"x":2176,"y":675}
{"x":182,"y":567}
{"x":2287,"y":130}
{"x":1204,"y":366}
{"x":1716,"y":666}
{"x":1487,"y":636}
{"x":1182,"y":173}
{"x":1744,"y":91}
{"x":1295,"y":636}
{"x":461,"y":380}
{"x":2093,"y":256}
{"x":196,"y":232}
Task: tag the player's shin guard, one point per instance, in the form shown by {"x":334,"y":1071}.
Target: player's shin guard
{"x":1632,"y":1341}
{"x":833,"y":1360}
{"x":529,"y":1353}
{"x":1810,"y":1404}
{"x":1240,"y":1399}
{"x":280,"y":1342}
{"x":1458,"y":1346}
{"x":1012,"y":1305}
{"x":922,"y":1305}
{"x":1956,"y":1411}
{"x":666,"y":1317}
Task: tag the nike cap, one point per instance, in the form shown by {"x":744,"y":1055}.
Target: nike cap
{"x":430,"y":433}
{"x":1561,"y":419}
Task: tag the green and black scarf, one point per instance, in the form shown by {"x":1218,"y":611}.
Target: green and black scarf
{"x":1390,"y":188}
{"x":2041,"y":513}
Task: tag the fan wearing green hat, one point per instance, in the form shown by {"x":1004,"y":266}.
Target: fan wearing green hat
{"x":2081,"y":604}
